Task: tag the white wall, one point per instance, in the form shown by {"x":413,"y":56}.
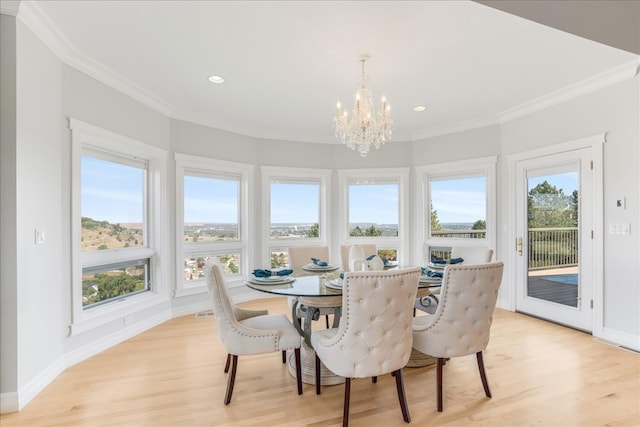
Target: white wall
{"x":8,"y":256}
{"x":40,"y":268}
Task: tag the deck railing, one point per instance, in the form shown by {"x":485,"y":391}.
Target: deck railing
{"x":460,"y":234}
{"x":548,"y":247}
{"x":553,"y":247}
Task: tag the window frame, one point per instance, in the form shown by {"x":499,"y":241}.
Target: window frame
{"x":212,"y":168}
{"x":384,"y":175}
{"x":86,"y":138}
{"x":485,"y":166}
{"x":295,"y":175}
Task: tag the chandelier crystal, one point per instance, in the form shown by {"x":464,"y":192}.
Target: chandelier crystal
{"x":364,"y":128}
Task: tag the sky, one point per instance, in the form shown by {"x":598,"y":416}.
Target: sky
{"x":459,"y":200}
{"x":565,"y":181}
{"x":113,"y":192}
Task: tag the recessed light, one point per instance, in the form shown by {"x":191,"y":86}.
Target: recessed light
{"x":216,"y":79}
{"x":419,"y":108}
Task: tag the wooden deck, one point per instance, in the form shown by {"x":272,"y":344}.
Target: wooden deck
{"x":549,"y":290}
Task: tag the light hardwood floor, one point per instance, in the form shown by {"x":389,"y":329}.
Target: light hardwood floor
{"x":540,"y":374}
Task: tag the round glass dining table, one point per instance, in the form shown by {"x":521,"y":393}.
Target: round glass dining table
{"x":314,"y":290}
{"x":317,"y":289}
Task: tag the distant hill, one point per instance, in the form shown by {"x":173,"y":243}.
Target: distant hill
{"x":100,"y":235}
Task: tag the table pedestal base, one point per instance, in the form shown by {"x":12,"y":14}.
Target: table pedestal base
{"x":418,"y":359}
{"x":308,"y":368}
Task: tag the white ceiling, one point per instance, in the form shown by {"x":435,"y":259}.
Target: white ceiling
{"x":287,"y":63}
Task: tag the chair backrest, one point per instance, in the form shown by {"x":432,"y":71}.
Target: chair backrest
{"x":368,"y":250}
{"x":472,"y":255}
{"x":224,"y":310}
{"x":374,"y":334}
{"x":299,"y":256}
{"x":462,"y":321}
{"x":362,"y":264}
{"x":238,"y":338}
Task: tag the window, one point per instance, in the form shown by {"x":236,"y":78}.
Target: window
{"x":117,"y":212}
{"x":112,"y":205}
{"x":295,"y":210}
{"x":212,"y":219}
{"x":375,"y":211}
{"x":457,"y":207}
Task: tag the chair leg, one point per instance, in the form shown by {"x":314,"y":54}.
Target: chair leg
{"x":326,"y":318}
{"x":441,"y":362}
{"x":226,"y":365}
{"x":231,"y":379}
{"x":374,"y":379}
{"x":284,"y":356}
{"x":317,"y":374}
{"x":296,"y":353}
{"x":402,"y":396}
{"x":347,"y":395}
{"x":483,"y":375}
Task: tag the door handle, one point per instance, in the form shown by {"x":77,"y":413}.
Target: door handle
{"x":519,"y":246}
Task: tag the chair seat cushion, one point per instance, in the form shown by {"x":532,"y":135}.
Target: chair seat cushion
{"x":288,"y":336}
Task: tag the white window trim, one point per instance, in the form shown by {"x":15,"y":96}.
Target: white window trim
{"x":84,"y":135}
{"x":401,"y":175}
{"x":246,"y":226}
{"x":481,"y":166}
{"x":323,"y":176}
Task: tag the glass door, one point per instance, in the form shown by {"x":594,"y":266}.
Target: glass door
{"x":554,"y":238}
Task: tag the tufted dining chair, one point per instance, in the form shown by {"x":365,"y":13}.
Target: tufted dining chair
{"x":472,"y":255}
{"x":299,"y":256}
{"x":245,"y":331}
{"x":374,"y":335}
{"x":428,"y":298}
{"x":462,"y":320}
{"x":348,"y":254}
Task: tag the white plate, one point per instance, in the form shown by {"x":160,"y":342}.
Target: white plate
{"x":272,"y":280}
{"x":334,"y":284}
{"x":437,"y":266}
{"x":429,"y":279}
{"x":313,"y":267}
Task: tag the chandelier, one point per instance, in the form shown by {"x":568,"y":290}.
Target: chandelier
{"x":364,"y":128}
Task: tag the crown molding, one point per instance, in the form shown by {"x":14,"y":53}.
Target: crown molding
{"x":32,"y":16}
{"x":591,"y":84}
{"x":455,"y":128}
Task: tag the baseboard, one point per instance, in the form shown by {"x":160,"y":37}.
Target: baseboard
{"x":9,"y":402}
{"x":80,"y":354}
{"x":15,"y":401}
{"x":621,"y":339}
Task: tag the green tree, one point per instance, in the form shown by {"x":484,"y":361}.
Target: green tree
{"x":113,"y":286}
{"x":548,"y":207}
{"x":103,"y":247}
{"x":373,"y":231}
{"x":479,"y":225}
{"x":435,"y":222}
{"x":233,"y":267}
{"x":356,"y":232}
{"x":314,"y":231}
